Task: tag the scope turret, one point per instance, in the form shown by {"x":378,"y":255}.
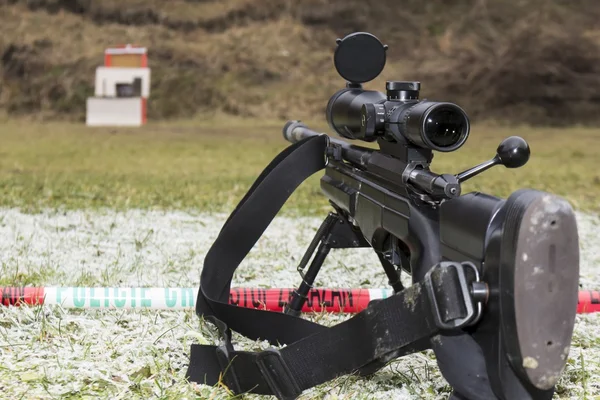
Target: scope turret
{"x":401,"y":91}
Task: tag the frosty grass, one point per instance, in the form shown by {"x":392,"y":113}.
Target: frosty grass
{"x":49,"y":352}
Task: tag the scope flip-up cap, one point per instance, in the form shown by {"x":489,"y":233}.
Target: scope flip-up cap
{"x":359,"y":57}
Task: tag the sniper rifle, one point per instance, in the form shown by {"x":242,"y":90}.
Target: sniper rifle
{"x":494,"y":281}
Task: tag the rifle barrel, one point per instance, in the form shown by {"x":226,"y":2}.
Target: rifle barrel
{"x":295,"y":131}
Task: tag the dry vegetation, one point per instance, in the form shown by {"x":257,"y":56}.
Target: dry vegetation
{"x":525,"y":61}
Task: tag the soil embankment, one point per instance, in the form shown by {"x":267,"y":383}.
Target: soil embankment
{"x":535,"y":62}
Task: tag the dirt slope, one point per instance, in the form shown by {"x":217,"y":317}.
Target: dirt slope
{"x":518,"y":61}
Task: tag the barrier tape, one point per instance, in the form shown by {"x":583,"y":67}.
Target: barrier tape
{"x":329,"y":300}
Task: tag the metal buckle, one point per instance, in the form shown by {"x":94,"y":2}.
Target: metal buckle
{"x":229,"y":375}
{"x":473,"y":314}
{"x":479,"y":292}
{"x":277,"y":375}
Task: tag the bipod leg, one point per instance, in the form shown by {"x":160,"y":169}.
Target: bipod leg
{"x":391,"y":257}
{"x":335,"y":232}
{"x":299,"y":295}
{"x":392,"y":273}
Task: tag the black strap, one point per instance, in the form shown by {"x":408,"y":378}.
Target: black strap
{"x":315,"y":354}
{"x":386,"y":327}
{"x":239,"y":234}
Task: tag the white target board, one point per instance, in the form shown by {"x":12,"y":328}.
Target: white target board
{"x":116,"y":111}
{"x":122,"y":87}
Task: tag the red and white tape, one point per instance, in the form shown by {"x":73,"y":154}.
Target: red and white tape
{"x":331,"y":300}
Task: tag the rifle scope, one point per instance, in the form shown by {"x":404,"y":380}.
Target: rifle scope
{"x":397,"y":115}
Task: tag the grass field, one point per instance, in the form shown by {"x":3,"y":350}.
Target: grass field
{"x":209,"y":164}
{"x":140,"y":207}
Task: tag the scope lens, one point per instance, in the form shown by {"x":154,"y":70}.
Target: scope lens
{"x":445,"y":127}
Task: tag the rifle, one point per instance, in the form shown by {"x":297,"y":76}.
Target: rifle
{"x":494,"y":281}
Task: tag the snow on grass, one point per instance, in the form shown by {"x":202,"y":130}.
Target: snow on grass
{"x":50,"y":352}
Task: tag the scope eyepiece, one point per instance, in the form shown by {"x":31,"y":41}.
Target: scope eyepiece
{"x":438,"y":126}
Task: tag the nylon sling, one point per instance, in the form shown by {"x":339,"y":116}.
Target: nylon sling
{"x":314,"y":353}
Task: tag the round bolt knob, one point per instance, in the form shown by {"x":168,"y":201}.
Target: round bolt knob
{"x":513,"y":152}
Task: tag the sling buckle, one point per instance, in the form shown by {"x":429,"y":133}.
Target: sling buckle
{"x":277,"y":375}
{"x":450,"y":295}
{"x":229,"y":375}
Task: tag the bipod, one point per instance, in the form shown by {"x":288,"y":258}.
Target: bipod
{"x":336,"y":232}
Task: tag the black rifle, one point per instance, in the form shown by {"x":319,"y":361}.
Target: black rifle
{"x":494,"y":281}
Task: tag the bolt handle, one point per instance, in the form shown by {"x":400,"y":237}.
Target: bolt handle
{"x":513,"y":152}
